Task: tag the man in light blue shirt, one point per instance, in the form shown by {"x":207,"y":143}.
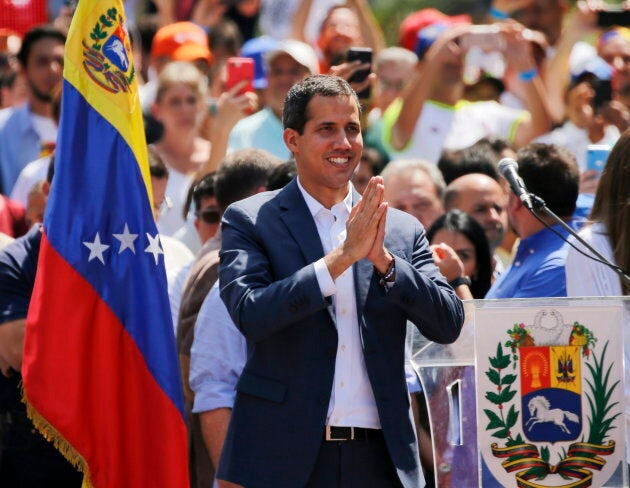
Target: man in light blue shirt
{"x":551,"y":173}
{"x":27,"y":131}
{"x":217,"y":357}
{"x":291,"y":62}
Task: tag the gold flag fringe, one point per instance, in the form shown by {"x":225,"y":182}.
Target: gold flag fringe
{"x":61,"y":444}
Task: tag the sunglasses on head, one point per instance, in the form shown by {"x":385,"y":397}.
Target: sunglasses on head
{"x":209,"y":215}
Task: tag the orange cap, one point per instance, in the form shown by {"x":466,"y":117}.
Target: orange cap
{"x":181,"y":41}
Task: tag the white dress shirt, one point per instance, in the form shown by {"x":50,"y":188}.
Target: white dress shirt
{"x":352,"y":401}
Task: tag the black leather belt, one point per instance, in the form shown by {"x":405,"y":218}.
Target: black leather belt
{"x":336,"y":434}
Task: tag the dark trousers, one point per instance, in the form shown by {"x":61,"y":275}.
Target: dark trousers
{"x":354,"y":464}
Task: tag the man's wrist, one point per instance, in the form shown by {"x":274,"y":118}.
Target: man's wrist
{"x":527,"y":74}
{"x":384,"y":263}
{"x":462,"y":280}
{"x":497,"y":14}
{"x":387,"y":276}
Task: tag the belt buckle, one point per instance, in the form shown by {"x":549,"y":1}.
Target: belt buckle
{"x":330,"y":438}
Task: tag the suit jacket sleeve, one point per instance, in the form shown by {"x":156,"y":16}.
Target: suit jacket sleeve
{"x":425,"y":295}
{"x":261,"y":305}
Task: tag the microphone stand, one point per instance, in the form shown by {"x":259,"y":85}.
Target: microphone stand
{"x":539,"y":204}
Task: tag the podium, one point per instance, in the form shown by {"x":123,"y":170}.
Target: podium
{"x":530,"y":395}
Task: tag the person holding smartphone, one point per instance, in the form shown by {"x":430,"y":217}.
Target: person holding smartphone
{"x":434,"y":118}
{"x":289,"y":63}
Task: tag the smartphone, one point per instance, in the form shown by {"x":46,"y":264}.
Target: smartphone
{"x":596,"y":156}
{"x":239,"y":69}
{"x":603,"y":93}
{"x":363,"y":54}
{"x":488,"y":38}
{"x":613,"y":17}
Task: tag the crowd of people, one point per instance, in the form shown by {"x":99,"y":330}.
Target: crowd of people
{"x":537,"y":81}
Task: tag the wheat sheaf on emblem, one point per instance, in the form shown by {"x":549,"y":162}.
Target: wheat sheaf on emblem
{"x":551,"y":357}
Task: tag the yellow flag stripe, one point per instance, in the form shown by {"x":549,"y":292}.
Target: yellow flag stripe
{"x":122,"y":109}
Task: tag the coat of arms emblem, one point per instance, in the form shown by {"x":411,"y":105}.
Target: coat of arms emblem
{"x":550,"y":404}
{"x":107,"y":58}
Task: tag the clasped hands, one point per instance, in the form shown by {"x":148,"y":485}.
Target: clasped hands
{"x":365,"y":233}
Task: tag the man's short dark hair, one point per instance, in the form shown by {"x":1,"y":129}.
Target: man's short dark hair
{"x":295,"y":116}
{"x":241,"y":173}
{"x":482,"y":157}
{"x":34,"y":35}
{"x":550,"y":172}
{"x":203,"y":189}
{"x":282,"y":174}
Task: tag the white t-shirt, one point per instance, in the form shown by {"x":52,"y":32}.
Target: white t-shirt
{"x":33,"y":173}
{"x":576,"y":140}
{"x":454,"y":127}
{"x":45,"y":127}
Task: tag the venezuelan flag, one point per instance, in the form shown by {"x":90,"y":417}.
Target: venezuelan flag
{"x":100,"y":370}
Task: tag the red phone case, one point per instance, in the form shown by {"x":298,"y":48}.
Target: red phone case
{"x":239,"y":69}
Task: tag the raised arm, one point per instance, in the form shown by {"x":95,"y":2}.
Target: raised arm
{"x":519,"y":56}
{"x":226,"y":112}
{"x":300,"y":17}
{"x":371,"y":31}
{"x":556,"y":73}
{"x":423,"y":85}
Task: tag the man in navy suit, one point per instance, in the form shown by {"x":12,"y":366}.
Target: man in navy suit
{"x":322,"y":283}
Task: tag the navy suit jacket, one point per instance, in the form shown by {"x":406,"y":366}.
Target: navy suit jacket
{"x":268,"y":284}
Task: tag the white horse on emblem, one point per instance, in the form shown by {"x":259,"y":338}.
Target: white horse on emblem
{"x":118,"y":49}
{"x":540,"y":412}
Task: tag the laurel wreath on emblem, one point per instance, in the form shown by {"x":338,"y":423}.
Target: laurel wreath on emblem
{"x":525,"y":458}
{"x":95,"y":63}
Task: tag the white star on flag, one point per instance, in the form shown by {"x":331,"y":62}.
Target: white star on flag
{"x":96,"y":249}
{"x":126,"y":240}
{"x":154,"y":246}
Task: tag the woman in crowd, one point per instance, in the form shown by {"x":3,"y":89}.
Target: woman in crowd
{"x":609,"y":234}
{"x":180,"y":106}
{"x":461,"y":251}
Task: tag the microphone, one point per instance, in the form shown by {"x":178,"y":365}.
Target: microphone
{"x":509,"y":170}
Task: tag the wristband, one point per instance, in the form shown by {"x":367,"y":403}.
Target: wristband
{"x":497,"y":14}
{"x":462,"y":280}
{"x":213,"y":108}
{"x":390,"y":274}
{"x":528,"y":75}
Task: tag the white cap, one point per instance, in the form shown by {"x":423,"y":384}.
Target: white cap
{"x":299,"y":51}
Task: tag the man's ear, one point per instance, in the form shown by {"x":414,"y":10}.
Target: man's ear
{"x":290,"y":137}
{"x":514,"y":202}
{"x":45,"y":188}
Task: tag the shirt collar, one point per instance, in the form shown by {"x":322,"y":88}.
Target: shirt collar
{"x":543,"y":238}
{"x":315,"y":207}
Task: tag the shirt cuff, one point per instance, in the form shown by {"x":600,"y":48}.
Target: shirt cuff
{"x":214,"y":395}
{"x":324,"y":280}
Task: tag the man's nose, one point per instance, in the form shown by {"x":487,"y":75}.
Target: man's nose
{"x":342,"y":140}
{"x":494,"y":215}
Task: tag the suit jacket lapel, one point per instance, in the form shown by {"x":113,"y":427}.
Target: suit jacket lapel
{"x":299,"y":221}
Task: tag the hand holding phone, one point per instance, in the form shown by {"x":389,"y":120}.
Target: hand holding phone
{"x":488,"y":38}
{"x":363,"y":54}
{"x":613,"y":17}
{"x":596,"y":157}
{"x":239,"y":69}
